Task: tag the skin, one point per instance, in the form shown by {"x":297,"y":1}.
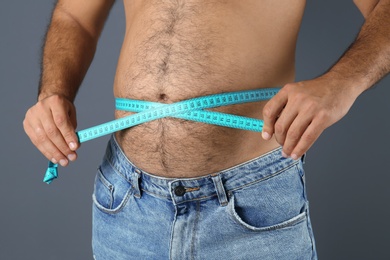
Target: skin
{"x":302,"y":111}
{"x":176,"y":50}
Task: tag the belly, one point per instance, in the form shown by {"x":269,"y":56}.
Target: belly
{"x":175,"y":50}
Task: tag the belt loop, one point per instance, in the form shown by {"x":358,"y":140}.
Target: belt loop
{"x":135,"y":179}
{"x":220,"y":189}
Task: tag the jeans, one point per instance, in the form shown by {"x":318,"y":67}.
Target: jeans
{"x":255,"y":210}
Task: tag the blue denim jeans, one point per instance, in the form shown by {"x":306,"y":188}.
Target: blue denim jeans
{"x":255,"y":210}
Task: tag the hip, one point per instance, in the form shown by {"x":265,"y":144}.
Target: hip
{"x":259,"y":206}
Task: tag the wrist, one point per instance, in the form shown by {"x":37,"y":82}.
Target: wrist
{"x":46,"y":94}
{"x":58,"y":88}
{"x":345,"y":83}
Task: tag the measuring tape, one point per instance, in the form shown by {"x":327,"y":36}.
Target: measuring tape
{"x":190,"y":109}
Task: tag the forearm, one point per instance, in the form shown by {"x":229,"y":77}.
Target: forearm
{"x":69,"y":48}
{"x":68,"y":51}
{"x":368,"y":58}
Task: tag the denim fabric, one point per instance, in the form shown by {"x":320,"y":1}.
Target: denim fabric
{"x":255,"y":210}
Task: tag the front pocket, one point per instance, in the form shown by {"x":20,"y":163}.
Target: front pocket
{"x":111,"y":190}
{"x":287,"y":223}
{"x":270,"y":204}
{"x":104,"y":190}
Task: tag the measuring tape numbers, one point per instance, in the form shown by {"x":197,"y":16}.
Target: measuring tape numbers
{"x":190,"y":109}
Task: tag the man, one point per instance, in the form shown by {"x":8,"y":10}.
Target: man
{"x":180,"y":189}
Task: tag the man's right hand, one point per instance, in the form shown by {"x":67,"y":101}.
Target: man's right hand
{"x":51,"y":125}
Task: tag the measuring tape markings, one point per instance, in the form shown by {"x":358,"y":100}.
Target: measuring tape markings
{"x":166,"y":110}
{"x":208,"y":117}
{"x":190,"y":109}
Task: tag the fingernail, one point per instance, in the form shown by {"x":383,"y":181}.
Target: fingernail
{"x":63,"y":162}
{"x":72,"y":146}
{"x":54,"y":161}
{"x":72,"y":157}
{"x":294,"y":157}
{"x":284,"y":155}
{"x":265,"y":135}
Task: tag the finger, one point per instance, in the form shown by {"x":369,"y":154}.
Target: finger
{"x":283,"y":123}
{"x":66,"y":123}
{"x":313,"y":131}
{"x":271,"y":111}
{"x":40,"y":139}
{"x":73,"y":118}
{"x":295,"y":132}
{"x":54,"y":134}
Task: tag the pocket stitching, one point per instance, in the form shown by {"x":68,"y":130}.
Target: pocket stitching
{"x":111,"y":188}
{"x":107,"y":185}
{"x":115,"y":210}
{"x":287,"y":223}
{"x":104,"y":181}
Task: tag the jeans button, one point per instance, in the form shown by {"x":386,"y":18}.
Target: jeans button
{"x":180,"y":191}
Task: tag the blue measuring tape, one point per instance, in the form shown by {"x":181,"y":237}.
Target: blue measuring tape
{"x":190,"y":109}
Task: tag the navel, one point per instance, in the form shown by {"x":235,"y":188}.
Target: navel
{"x":163,"y":97}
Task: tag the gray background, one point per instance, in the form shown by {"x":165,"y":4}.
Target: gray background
{"x":347,"y":169}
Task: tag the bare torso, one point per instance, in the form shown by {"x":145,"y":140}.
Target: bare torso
{"x":179,"y":49}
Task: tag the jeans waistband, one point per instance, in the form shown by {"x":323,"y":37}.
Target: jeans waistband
{"x":181,"y":190}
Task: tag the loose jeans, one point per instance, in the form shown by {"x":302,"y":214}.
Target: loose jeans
{"x":255,"y":210}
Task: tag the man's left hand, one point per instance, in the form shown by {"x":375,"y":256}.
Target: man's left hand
{"x":301,"y":111}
